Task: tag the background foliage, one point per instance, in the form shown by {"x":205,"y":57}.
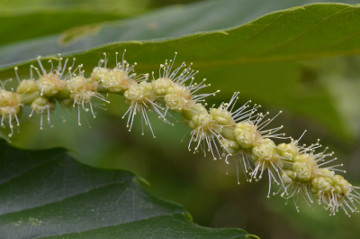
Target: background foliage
{"x":301,"y":59}
{"x":46,"y":194}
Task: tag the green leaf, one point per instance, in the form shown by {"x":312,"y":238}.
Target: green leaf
{"x":15,"y":28}
{"x":46,"y":194}
{"x":23,"y":6}
{"x":170,"y":22}
{"x":17,"y":16}
{"x":254,"y":58}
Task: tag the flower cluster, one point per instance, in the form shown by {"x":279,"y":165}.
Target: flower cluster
{"x":223,"y":132}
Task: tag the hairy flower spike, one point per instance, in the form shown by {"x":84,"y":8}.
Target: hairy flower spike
{"x":267,"y":159}
{"x":42,"y":106}
{"x":247,"y":135}
{"x":29,"y":90}
{"x":335,"y":192}
{"x":227,"y":131}
{"x":178,"y":98}
{"x":161,"y":86}
{"x":205,"y":133}
{"x":141,"y":98}
{"x":118,"y":79}
{"x":183,"y":87}
{"x":10,"y":107}
{"x":50,"y":83}
{"x":222,"y":115}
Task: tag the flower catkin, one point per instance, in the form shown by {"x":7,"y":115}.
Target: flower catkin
{"x":226,"y":131}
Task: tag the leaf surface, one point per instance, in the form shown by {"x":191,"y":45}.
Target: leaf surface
{"x":24,"y":21}
{"x":47,"y":194}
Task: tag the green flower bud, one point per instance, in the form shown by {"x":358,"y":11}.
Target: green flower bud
{"x":161,"y":86}
{"x":246,"y":134}
{"x":50,"y":85}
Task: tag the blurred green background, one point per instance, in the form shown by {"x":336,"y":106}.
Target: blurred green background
{"x":206,"y":188}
